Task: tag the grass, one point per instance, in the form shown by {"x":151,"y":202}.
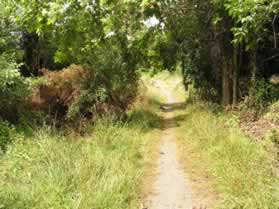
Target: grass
{"x":107,"y":169}
{"x":243,"y":171}
{"x":239,"y":172}
{"x":103,"y":171}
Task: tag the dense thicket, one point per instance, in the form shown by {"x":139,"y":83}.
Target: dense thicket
{"x":105,"y":38}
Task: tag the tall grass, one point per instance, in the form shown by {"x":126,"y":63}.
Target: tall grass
{"x":244,"y":170}
{"x":103,"y":171}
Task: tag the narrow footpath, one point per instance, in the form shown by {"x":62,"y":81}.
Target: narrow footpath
{"x":171,"y":189}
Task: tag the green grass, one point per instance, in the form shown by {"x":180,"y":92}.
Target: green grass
{"x":243,"y":170}
{"x":103,"y":171}
{"x":242,"y":173}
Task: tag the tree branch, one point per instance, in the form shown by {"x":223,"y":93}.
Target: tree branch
{"x":274,"y":31}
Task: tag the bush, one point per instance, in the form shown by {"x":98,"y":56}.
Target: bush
{"x":13,"y":88}
{"x":266,"y":92}
{"x":58,"y":90}
{"x":263,"y":94}
{"x":76,"y":93}
{"x":7,"y":135}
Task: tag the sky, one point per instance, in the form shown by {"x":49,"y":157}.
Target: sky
{"x":151,"y":22}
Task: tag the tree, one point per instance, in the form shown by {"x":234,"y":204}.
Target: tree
{"x":102,"y":36}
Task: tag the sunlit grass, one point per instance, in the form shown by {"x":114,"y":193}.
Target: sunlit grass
{"x":237,"y":172}
{"x":243,"y":171}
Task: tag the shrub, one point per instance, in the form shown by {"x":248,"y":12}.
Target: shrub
{"x":13,"y":88}
{"x":7,"y":135}
{"x":262,"y":94}
{"x":76,"y":92}
{"x":58,"y":89}
{"x":266,"y":91}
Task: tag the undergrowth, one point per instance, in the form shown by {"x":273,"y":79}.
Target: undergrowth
{"x":103,"y":171}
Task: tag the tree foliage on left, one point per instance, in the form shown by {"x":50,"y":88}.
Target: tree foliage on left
{"x":105,"y":37}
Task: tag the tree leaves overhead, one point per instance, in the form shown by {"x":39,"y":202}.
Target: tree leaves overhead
{"x":76,"y":25}
{"x":116,"y":38}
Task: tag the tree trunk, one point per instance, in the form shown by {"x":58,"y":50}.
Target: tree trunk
{"x":240,"y":63}
{"x":235,"y":75}
{"x":253,"y":66}
{"x":226,"y":94}
{"x":185,"y":80}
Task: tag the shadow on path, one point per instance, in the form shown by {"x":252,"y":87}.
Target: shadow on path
{"x":169,"y":107}
{"x":174,"y":120}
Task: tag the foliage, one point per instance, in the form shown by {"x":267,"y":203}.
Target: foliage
{"x":9,"y":33}
{"x":113,"y":39}
{"x":183,"y":43}
{"x":57,"y":90}
{"x":266,"y":92}
{"x":207,"y":40}
{"x":76,"y":92}
{"x":263,"y":94}
{"x":13,"y":85}
{"x":8,"y":135}
{"x":250,"y":19}
{"x":13,"y":88}
{"x":102,"y":36}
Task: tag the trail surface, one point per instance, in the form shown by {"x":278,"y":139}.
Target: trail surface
{"x":171,"y":189}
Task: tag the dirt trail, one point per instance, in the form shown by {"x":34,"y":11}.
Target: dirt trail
{"x":171,"y":189}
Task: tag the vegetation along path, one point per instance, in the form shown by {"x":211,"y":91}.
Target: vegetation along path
{"x":171,"y":189}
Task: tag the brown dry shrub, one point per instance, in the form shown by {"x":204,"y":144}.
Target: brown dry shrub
{"x":75,"y":95}
{"x":59,"y":90}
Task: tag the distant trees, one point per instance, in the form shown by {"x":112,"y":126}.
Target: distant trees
{"x":223,"y":47}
